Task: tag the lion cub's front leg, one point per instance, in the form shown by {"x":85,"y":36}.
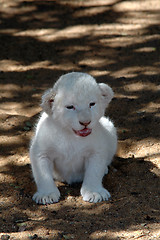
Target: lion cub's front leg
{"x":47,"y":192}
{"x":92,"y":189}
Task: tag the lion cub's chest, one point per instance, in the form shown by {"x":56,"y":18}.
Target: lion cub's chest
{"x":72,"y":153}
{"x":69,"y":148}
{"x":70,"y":160}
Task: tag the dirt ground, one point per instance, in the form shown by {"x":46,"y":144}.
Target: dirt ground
{"x":118,"y":42}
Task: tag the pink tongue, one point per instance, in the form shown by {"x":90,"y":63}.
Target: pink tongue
{"x":84,"y":132}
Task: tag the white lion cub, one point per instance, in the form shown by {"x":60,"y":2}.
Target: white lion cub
{"x":73,"y":141}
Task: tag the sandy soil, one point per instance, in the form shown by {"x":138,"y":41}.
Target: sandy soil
{"x":118,"y":42}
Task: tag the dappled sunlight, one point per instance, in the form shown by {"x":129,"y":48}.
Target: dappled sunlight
{"x":10,"y":65}
{"x":120,"y":33}
{"x":133,"y":72}
{"x":153,"y":107}
{"x":99,"y":73}
{"x":137,"y":5}
{"x":15,"y":108}
{"x":92,"y":11}
{"x":139,"y":149}
{"x":50,"y":35}
{"x":117,"y":42}
{"x":95,"y":62}
{"x":145,"y":49}
{"x":139,"y":86}
{"x":131,"y":233}
{"x":15,"y":140}
{"x":126,"y":40}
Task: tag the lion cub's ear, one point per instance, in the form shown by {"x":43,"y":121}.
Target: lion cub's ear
{"x":107,"y":93}
{"x":48,"y":100}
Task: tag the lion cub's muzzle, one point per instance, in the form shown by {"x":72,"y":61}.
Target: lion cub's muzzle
{"x":85,"y":131}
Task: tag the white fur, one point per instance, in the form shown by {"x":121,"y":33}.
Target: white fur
{"x":57,"y":152}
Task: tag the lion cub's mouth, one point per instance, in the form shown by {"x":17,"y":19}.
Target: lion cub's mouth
{"x":84,"y":132}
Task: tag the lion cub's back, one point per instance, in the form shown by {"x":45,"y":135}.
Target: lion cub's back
{"x":109,"y":134}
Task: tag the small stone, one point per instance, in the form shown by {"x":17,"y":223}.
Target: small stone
{"x":26,"y":128}
{"x":149,"y":218}
{"x":35,"y":236}
{"x":5,"y":237}
{"x":21,"y":227}
{"x":28,"y":124}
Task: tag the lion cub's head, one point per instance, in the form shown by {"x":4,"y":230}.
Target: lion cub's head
{"x":76,"y":102}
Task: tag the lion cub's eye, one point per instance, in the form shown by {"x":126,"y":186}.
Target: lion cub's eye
{"x":70,"y":107}
{"x":92,"y":104}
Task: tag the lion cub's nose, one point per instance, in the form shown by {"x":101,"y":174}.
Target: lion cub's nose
{"x":85,"y":123}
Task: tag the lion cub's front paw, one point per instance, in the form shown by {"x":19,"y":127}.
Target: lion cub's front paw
{"x":44,"y":198}
{"x":101,"y":195}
